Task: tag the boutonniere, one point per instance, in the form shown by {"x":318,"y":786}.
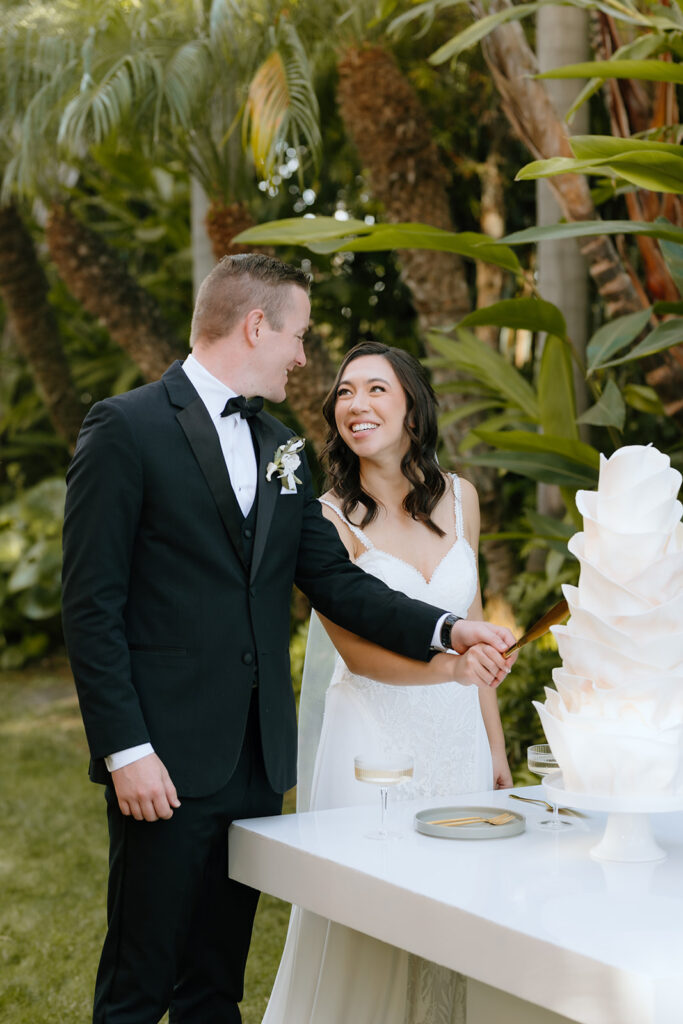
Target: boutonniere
{"x":286,"y":461}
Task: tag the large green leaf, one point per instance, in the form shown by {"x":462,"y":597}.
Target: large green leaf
{"x":615,"y":335}
{"x":644,"y":70}
{"x":650,"y":169}
{"x":474,"y":357}
{"x":545,"y":467}
{"x":386,"y":237}
{"x":664,"y":336}
{"x":556,"y":390}
{"x":328,"y":235}
{"x":532,"y":314}
{"x":479,"y":30}
{"x":586,"y":228}
{"x":641,"y":47}
{"x":529,"y":441}
{"x":608,"y":411}
{"x":300,"y":230}
{"x":591,"y":147}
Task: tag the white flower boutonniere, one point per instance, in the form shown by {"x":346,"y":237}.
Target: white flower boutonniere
{"x":286,"y":461}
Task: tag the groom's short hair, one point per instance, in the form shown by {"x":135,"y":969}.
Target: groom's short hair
{"x":238,"y":284}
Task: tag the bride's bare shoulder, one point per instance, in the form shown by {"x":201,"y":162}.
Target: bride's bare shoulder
{"x":470,"y":498}
{"x":348,"y":539}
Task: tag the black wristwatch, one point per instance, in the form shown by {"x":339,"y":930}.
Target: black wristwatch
{"x":446,"y":627}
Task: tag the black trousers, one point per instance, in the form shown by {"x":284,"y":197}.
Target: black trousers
{"x":178,"y":927}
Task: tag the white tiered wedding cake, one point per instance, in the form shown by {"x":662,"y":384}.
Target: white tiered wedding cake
{"x":615,"y":722}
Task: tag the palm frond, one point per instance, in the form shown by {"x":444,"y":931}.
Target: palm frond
{"x":188,"y":81}
{"x":282,"y":104}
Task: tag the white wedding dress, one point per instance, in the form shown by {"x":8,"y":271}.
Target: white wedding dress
{"x":330,"y":974}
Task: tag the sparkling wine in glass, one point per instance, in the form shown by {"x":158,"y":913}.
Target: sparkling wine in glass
{"x":541,"y":761}
{"x":383,"y":772}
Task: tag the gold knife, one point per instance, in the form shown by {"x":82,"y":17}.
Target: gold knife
{"x":557,"y":613}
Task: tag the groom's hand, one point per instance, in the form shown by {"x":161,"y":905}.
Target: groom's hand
{"x":468,"y":632}
{"x":144,"y":789}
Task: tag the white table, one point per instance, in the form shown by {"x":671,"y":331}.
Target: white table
{"x":539,"y":928}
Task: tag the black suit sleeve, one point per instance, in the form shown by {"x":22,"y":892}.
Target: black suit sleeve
{"x":353,"y":599}
{"x":104,"y":496}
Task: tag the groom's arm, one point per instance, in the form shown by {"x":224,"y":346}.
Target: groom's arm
{"x":104,"y":496}
{"x":355,"y":600}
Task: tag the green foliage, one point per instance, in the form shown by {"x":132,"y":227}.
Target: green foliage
{"x":329,"y":235}
{"x":531,"y":595}
{"x":531,"y":673}
{"x":30,"y":571}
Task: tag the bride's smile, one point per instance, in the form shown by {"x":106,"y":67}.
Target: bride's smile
{"x":370,"y":407}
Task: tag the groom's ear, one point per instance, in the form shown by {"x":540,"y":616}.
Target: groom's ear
{"x":254,"y":324}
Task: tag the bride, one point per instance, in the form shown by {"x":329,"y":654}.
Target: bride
{"x":402,"y":519}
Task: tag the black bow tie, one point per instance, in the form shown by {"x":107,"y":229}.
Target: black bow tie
{"x":246,"y":407}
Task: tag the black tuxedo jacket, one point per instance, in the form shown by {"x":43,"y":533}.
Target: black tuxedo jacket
{"x":165,"y":624}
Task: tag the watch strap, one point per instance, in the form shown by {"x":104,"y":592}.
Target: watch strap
{"x":446,"y":627}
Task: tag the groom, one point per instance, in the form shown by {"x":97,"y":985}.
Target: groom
{"x":180,"y":550}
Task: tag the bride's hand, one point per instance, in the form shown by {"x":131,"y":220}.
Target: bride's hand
{"x":468,"y":632}
{"x":482,"y":665}
{"x":502,"y":776}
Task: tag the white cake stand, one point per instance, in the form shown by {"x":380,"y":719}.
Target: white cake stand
{"x":628,"y":835}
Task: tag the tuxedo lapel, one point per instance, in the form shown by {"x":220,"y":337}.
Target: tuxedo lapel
{"x":268,"y":490}
{"x":203,"y":439}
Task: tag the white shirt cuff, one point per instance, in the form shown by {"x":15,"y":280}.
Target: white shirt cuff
{"x":123,"y":757}
{"x":436,"y":638}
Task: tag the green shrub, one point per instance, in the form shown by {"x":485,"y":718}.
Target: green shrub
{"x":30,"y":570}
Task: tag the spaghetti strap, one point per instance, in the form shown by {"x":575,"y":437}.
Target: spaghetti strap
{"x":355,"y":530}
{"x":457,"y":495}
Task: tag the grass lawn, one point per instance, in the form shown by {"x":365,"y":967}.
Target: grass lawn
{"x":53,"y":862}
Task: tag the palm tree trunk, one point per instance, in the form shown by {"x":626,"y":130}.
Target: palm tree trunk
{"x":391,"y":130}
{"x":96,"y":276}
{"x":24,"y":290}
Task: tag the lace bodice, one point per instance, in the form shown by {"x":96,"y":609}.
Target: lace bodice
{"x":439,"y":724}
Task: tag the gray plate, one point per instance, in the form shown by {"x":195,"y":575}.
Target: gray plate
{"x":481,"y":830}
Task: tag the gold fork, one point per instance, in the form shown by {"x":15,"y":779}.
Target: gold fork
{"x":500,"y":819}
{"x":548,"y":807}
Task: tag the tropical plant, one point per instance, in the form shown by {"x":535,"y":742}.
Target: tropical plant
{"x":24,"y":291}
{"x":30,"y":572}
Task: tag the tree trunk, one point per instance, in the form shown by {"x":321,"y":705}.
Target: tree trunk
{"x":24,"y":290}
{"x":391,"y":130}
{"x":96,"y":276}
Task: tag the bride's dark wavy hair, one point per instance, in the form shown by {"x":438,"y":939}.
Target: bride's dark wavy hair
{"x":418,"y":465}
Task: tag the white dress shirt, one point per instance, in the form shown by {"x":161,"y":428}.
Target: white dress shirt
{"x":238,"y":451}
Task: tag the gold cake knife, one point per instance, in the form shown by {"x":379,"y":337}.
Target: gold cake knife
{"x":556,"y":614}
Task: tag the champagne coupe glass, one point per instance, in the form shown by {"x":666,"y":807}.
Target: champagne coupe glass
{"x":383,"y":772}
{"x":541,"y":761}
